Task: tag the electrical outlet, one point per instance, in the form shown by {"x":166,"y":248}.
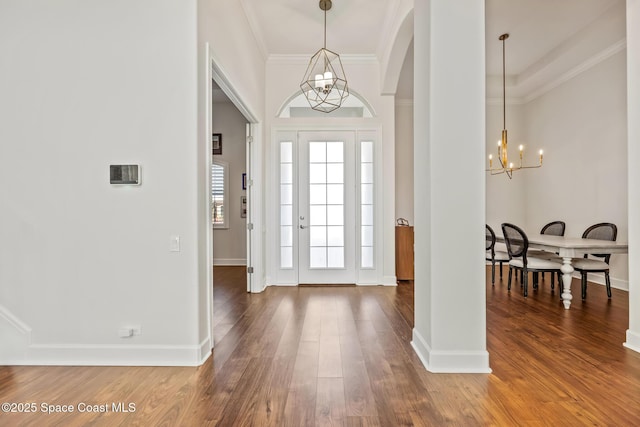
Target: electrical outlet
{"x":129,"y":331}
{"x":125,"y":332}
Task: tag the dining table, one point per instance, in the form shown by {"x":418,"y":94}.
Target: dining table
{"x":568,"y":248}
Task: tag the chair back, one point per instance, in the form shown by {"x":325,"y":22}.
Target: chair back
{"x":555,"y":228}
{"x":491,"y":239}
{"x":601,"y":231}
{"x":516,"y":240}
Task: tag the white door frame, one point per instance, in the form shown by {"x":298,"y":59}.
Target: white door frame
{"x":254,"y":215}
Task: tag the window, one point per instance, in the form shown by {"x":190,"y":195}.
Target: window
{"x":219,"y":194}
{"x":286,"y":205}
{"x":366,"y":204}
{"x":326,"y":204}
{"x":353,"y":106}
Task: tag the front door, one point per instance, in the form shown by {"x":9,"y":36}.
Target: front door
{"x":326,"y":208}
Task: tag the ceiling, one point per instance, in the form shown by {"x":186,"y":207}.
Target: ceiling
{"x":545,"y":35}
{"x":295,"y":27}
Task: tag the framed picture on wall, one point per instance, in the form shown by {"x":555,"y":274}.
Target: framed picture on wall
{"x":216,"y":143}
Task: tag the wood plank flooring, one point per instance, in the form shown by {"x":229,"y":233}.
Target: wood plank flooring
{"x":342,"y":356}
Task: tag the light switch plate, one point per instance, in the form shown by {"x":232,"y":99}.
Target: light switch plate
{"x":174,"y":244}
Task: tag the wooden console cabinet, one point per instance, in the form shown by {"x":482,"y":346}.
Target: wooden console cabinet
{"x":404,"y":252}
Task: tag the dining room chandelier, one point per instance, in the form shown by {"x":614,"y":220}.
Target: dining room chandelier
{"x":506,"y":167}
{"x":324,"y":84}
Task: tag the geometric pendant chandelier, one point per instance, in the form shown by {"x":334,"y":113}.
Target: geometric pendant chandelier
{"x":324,"y":83}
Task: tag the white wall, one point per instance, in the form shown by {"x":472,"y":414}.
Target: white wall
{"x":404,"y":160}
{"x":85,"y":85}
{"x":582,"y":126}
{"x":230,"y":245}
{"x":234,"y":50}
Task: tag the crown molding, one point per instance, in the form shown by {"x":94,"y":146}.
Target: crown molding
{"x":296,"y":59}
{"x":256,"y":29}
{"x":591,"y":62}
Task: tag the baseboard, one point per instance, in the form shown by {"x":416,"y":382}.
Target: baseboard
{"x":113,"y":355}
{"x":15,"y":323}
{"x":598,"y":278}
{"x":390,"y":281}
{"x":454,"y":362}
{"x":229,"y":262}
{"x":633,"y":341}
{"x":421,"y":348}
{"x":16,"y":337}
{"x":205,"y":350}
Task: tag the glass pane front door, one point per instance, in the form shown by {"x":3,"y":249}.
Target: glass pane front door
{"x":326,"y":208}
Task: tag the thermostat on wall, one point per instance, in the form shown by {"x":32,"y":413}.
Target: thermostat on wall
{"x":124,"y":174}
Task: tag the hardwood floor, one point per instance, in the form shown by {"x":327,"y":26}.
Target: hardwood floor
{"x":342,"y":356}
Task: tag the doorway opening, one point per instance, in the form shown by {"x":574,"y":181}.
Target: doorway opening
{"x":231,"y":129}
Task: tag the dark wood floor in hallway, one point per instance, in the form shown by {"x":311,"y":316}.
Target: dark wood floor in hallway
{"x":295,"y":356}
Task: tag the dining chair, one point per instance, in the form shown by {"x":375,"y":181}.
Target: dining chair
{"x":517,"y":246}
{"x":493,"y":255}
{"x":554,"y":228}
{"x":601,"y":231}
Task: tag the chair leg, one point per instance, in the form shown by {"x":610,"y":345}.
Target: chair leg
{"x":525,"y":282}
{"x":583,"y":282}
{"x":553,"y":280}
{"x":560,"y":285}
{"x":535,"y":280}
{"x":509,"y":279}
{"x":608,"y":281}
{"x":501,"y":270}
{"x":493,"y":273}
